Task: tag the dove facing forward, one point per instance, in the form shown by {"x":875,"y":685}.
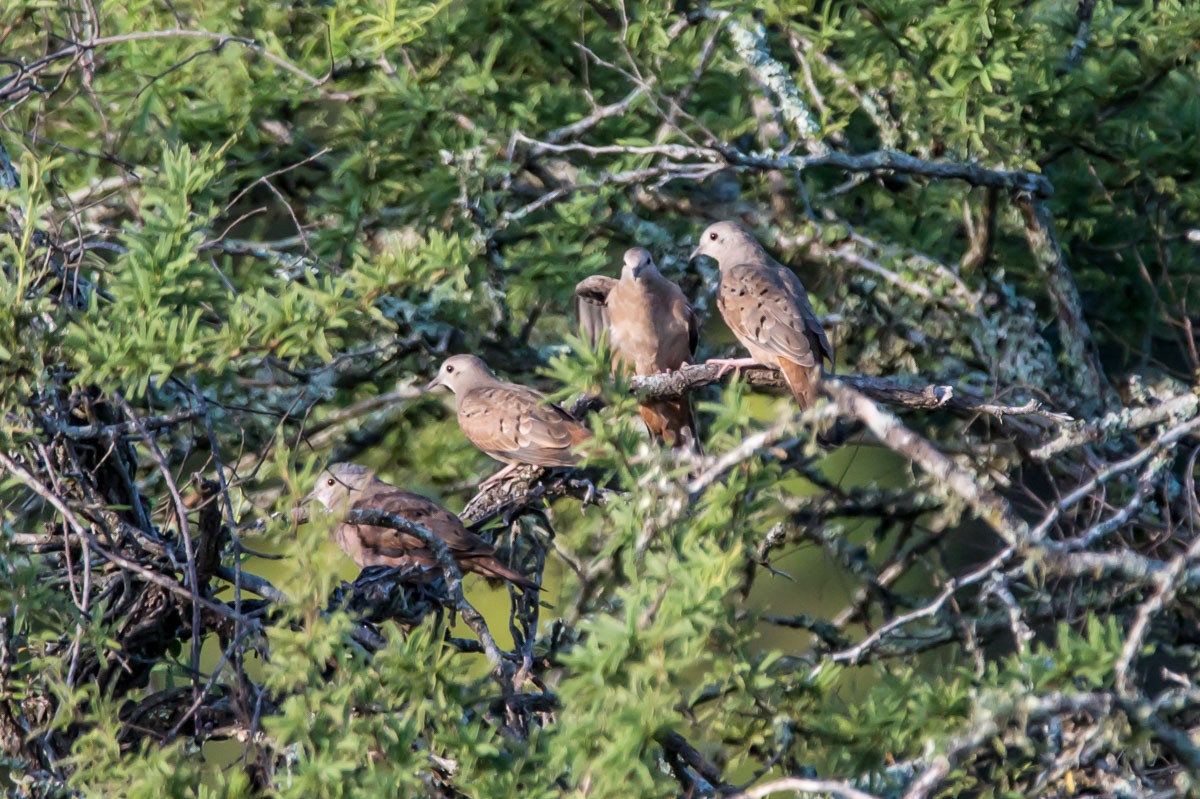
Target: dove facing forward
{"x":767,"y":308}
{"x":651,"y":328}
{"x":347,"y":486}
{"x":511,"y":423}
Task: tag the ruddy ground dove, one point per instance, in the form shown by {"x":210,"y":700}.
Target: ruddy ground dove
{"x":651,"y":328}
{"x":348,"y":486}
{"x":511,"y":423}
{"x":767,"y":308}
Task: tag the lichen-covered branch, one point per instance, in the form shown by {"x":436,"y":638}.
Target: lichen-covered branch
{"x":529,"y":487}
{"x":750,"y":42}
{"x":1080,"y":358}
{"x":891,"y":391}
{"x":1118,"y":423}
{"x":878,"y":161}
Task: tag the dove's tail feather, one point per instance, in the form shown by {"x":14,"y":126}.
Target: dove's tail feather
{"x":673,"y":423}
{"x":579,"y":434}
{"x":494,"y":569}
{"x":802,"y":380}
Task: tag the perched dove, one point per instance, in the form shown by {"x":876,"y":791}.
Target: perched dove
{"x":348,"y":486}
{"x":651,"y":328}
{"x":513,"y":424}
{"x":766,"y":307}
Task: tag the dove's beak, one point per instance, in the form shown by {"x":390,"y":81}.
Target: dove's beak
{"x":434,"y":383}
{"x":695,"y":254}
{"x":309,"y":497}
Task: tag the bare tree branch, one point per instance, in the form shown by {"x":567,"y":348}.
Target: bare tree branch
{"x":1080,"y":357}
{"x":892,"y":391}
{"x":880,"y":161}
{"x":989,"y":507}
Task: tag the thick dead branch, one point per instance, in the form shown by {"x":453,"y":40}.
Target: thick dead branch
{"x":1080,"y":357}
{"x":529,"y":487}
{"x":881,"y":389}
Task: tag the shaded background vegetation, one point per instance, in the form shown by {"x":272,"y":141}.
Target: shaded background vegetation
{"x":239,"y":236}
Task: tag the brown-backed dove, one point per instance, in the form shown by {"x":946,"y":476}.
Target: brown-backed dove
{"x":513,"y":424}
{"x":348,"y":486}
{"x":767,"y":309}
{"x":651,"y":328}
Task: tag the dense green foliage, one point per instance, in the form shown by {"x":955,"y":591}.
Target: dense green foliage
{"x":244,"y":228}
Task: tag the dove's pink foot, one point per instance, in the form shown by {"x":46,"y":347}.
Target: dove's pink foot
{"x":728,"y":364}
{"x":499,"y":476}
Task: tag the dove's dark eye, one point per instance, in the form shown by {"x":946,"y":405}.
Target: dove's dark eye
{"x":449,"y":369}
{"x":712,"y":236}
{"x":330,"y":482}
